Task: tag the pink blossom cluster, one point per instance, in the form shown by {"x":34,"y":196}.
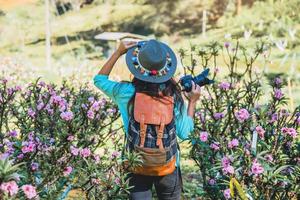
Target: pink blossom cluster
{"x":226,"y":193}
{"x":67,"y":116}
{"x":203,"y":136}
{"x":95,"y":106}
{"x":289,"y":131}
{"x":219,"y":115}
{"x":215,"y":146}
{"x":115,"y":154}
{"x":233,"y":143}
{"x":226,"y":164}
{"x":260,"y":131}
{"x":67,"y":171}
{"x":269,"y":158}
{"x":85,"y":152}
{"x":60,"y":102}
{"x":277,"y":81}
{"x":29,"y":191}
{"x":11,"y":188}
{"x":31,"y":113}
{"x":278,"y":94}
{"x":256,"y":168}
{"x":28,"y":147}
{"x":13,"y":133}
{"x":274,"y":118}
{"x":242,"y":115}
{"x":224,"y":86}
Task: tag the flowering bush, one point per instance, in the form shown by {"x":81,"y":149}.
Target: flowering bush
{"x":59,"y":134}
{"x":243,"y":144}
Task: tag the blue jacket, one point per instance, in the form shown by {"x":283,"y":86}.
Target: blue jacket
{"x":184,"y":123}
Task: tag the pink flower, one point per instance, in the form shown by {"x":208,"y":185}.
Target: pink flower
{"x":224,"y":86}
{"x":18,"y":88}
{"x":225,"y":161}
{"x":215,"y":146}
{"x":86,"y":152}
{"x":67,"y":171}
{"x":55,"y":99}
{"x":74,"y":151}
{"x":67,"y":116}
{"x":13,"y":133}
{"x":117,"y":181}
{"x":70,"y":138}
{"x":90,"y":114}
{"x":29,"y":191}
{"x":256,"y":168}
{"x":95,"y":181}
{"x":228,"y":170}
{"x":31,"y":113}
{"x":233,"y":143}
{"x":96,"y":105}
{"x":226,"y":193}
{"x":212,"y":181}
{"x":91,"y":99}
{"x":289,"y":131}
{"x":203,"y":136}
{"x":111,"y":111}
{"x":42,"y":84}
{"x":4,"y":81}
{"x":278,"y":93}
{"x":227,"y":45}
{"x":242,"y":115}
{"x":260,"y":131}
{"x":28,"y":147}
{"x":115,"y":154}
{"x":298,"y":120}
{"x":274,"y":118}
{"x":216,"y":70}
{"x":34,"y":166}
{"x":269,"y":157}
{"x":11,"y":188}
{"x":63,"y":105}
{"x":277,"y":81}
{"x":96,"y":158}
{"x":218,"y":115}
{"x":40,"y":106}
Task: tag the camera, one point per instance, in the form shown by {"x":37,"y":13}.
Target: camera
{"x":201,"y":80}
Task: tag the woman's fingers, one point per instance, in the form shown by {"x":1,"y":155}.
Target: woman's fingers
{"x":198,"y":88}
{"x":193,"y":85}
{"x":129,"y":44}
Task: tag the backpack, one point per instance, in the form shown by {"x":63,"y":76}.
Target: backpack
{"x":152,"y":134}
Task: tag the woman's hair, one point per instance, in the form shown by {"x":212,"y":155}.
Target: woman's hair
{"x":168,"y":88}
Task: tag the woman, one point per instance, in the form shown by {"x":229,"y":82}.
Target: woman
{"x":153,"y":65}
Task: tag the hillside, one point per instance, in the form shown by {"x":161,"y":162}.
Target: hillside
{"x":179,"y":23}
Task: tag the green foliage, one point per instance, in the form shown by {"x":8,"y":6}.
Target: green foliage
{"x":240,"y":139}
{"x":8,"y":171}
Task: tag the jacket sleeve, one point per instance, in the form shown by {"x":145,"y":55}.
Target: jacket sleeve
{"x":184,"y":123}
{"x":115,"y":90}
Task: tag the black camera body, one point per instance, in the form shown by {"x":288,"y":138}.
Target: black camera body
{"x":201,"y":80}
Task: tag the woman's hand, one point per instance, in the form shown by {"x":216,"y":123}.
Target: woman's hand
{"x":194,"y":94}
{"x":193,"y":97}
{"x":124,"y":46}
{"x":122,"y":49}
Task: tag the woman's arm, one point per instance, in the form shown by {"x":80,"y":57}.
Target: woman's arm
{"x":122,"y":49}
{"x":184,"y":122}
{"x":193,"y":97}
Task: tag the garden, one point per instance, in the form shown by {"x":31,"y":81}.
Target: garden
{"x":61,"y":138}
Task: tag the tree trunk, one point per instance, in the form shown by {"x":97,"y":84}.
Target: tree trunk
{"x":238,"y":7}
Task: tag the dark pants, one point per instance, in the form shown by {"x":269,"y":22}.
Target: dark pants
{"x":167,"y":187}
